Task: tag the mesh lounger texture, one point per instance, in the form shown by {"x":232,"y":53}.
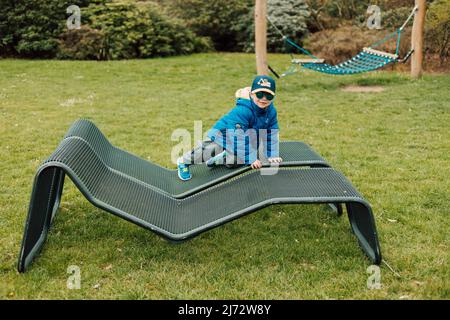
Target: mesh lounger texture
{"x":133,"y":195}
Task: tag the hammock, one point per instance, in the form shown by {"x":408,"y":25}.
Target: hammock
{"x":367,"y":60}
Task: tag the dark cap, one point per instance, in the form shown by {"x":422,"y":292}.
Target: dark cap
{"x":264,"y":83}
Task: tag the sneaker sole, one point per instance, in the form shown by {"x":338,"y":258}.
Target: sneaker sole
{"x":179,"y":176}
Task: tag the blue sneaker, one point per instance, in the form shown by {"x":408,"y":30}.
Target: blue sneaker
{"x":183,"y":171}
{"x":217,"y":160}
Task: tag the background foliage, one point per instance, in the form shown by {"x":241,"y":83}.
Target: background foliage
{"x":136,"y":31}
{"x":438,"y":30}
{"x":123,"y":29}
{"x":31,"y":28}
{"x":111,"y":30}
{"x":288,"y":16}
{"x":221,"y":21}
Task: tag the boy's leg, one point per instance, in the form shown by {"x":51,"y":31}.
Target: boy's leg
{"x":202,"y":153}
{"x":207,"y":150}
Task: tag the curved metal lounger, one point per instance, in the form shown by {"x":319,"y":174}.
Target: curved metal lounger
{"x":181,"y":219}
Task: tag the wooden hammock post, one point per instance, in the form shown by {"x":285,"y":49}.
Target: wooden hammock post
{"x":261,"y":37}
{"x":417,"y":39}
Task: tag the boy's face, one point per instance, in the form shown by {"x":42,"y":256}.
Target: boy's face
{"x":261,"y":103}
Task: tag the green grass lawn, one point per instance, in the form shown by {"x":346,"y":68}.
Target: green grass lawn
{"x":394,"y":146}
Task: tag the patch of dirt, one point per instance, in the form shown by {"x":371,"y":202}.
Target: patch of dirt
{"x":363,"y":89}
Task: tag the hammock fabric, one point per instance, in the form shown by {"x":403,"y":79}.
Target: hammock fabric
{"x":365,"y":61}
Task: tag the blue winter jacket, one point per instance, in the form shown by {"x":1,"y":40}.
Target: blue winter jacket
{"x":243,"y":129}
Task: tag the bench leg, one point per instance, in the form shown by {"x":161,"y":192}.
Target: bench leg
{"x":363,"y":226}
{"x":44,"y":203}
{"x":59,"y":186}
{"x":336,"y":207}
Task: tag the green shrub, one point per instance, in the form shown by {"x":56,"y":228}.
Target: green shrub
{"x":391,"y":17}
{"x":320,"y":18}
{"x":437,"y":34}
{"x":394,"y":18}
{"x":394,"y":4}
{"x":140,"y":31}
{"x":31,"y":28}
{"x":82,"y":44}
{"x":329,"y":14}
{"x":37,"y":28}
{"x":289,"y":16}
{"x":224,"y":22}
{"x":342,"y":9}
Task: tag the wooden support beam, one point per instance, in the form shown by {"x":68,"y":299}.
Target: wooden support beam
{"x":417,"y":40}
{"x":300,"y":61}
{"x":381,"y":53}
{"x":261,"y":37}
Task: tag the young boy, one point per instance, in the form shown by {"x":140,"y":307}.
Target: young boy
{"x":235,"y":139}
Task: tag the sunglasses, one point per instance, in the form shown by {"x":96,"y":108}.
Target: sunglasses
{"x":261,"y":94}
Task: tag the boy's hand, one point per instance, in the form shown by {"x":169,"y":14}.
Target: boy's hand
{"x":275,"y":160}
{"x":257,"y":164}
